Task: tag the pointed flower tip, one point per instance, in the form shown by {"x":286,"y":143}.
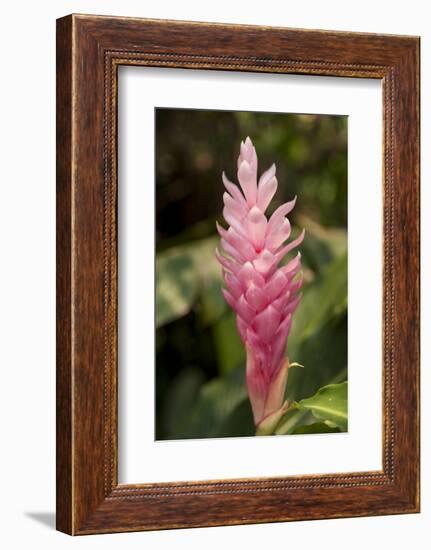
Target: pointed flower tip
{"x":299,"y":239}
{"x":247,"y":150}
{"x":255,"y":215}
{"x":220,"y":229}
{"x":244,"y":167}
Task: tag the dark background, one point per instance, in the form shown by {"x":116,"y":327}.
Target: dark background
{"x":200,"y":389}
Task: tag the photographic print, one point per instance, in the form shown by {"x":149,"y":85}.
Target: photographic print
{"x":251,"y":273}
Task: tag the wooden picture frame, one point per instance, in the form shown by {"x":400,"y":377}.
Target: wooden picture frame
{"x":89,"y":51}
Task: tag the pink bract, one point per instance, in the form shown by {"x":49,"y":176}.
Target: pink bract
{"x":263,"y":295}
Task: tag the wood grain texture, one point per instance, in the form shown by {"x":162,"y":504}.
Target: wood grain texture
{"x":90,"y":49}
{"x":64,"y":497}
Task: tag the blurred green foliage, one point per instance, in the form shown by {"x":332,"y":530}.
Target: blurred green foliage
{"x":200,"y":361}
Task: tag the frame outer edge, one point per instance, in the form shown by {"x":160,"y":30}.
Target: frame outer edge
{"x":407,"y":270}
{"x":64,"y":368}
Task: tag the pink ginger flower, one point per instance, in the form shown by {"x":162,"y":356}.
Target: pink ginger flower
{"x":263,"y":295}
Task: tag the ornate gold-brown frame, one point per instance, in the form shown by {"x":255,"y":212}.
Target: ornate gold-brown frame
{"x":89,"y":51}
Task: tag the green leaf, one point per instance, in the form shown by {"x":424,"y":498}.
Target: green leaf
{"x":211,"y":305}
{"x":180,"y":399}
{"x":239,"y":423}
{"x":213,"y":406}
{"x":315,"y":428}
{"x":228,"y":346}
{"x":186,"y":276}
{"x":324,"y":355}
{"x":176,"y":285}
{"x":292,"y":419}
{"x":318,"y":338}
{"x":329,"y":405}
{"x":324,"y":298}
{"x":322,"y":244}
